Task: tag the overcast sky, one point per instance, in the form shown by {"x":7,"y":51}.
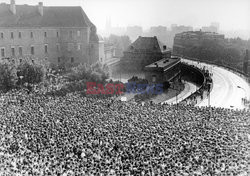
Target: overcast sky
{"x":231,"y":14}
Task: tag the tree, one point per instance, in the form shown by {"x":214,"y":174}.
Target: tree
{"x":95,"y":72}
{"x":31,"y":73}
{"x":8,"y":76}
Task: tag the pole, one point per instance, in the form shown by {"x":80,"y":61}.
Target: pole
{"x":176,"y":97}
{"x":209,"y":88}
{"x":208,"y":98}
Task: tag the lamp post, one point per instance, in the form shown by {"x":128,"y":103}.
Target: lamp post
{"x":239,"y":87}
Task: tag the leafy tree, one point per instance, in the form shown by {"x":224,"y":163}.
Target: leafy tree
{"x":96,"y":72}
{"x":8,"y":76}
{"x":31,"y":73}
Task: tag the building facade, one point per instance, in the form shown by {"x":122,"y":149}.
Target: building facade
{"x":59,"y":35}
{"x":184,"y":40}
{"x":142,"y":52}
{"x":165,"y":70}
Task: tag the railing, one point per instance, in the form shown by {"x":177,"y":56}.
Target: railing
{"x":199,"y":89}
{"x":235,"y":70}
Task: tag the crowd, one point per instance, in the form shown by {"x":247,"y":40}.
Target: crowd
{"x":246,"y":102}
{"x":75,"y":135}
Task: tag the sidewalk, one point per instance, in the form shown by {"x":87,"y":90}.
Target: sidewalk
{"x":188,"y":90}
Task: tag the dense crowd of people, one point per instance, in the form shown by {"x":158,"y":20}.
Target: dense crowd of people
{"x":246,"y":102}
{"x":75,"y":135}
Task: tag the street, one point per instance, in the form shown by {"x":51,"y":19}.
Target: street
{"x":228,"y":88}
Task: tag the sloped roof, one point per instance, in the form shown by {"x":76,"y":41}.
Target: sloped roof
{"x":28,"y":16}
{"x":148,"y":44}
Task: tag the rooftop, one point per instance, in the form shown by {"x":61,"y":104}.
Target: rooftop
{"x":149,"y":44}
{"x":29,"y":16}
{"x":164,"y":64}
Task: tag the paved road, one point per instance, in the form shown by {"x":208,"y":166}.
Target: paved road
{"x":228,"y":88}
{"x":188,"y":90}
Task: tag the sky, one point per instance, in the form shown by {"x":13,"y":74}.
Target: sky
{"x":231,"y":14}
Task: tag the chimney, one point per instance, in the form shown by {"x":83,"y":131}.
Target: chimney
{"x":40,"y":8}
{"x":13,"y":7}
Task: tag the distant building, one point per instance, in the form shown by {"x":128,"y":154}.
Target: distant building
{"x":108,"y":53}
{"x":61,"y":35}
{"x":178,"y":29}
{"x":175,"y":29}
{"x":209,"y":29}
{"x":214,"y":27}
{"x":184,"y":40}
{"x":134,"y":32}
{"x":142,"y":52}
{"x":160,"y":32}
{"x":216,"y":24}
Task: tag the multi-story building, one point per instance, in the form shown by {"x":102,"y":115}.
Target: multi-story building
{"x":60,"y":35}
{"x":134,"y":32}
{"x":142,"y":52}
{"x":193,"y":38}
{"x":160,"y":32}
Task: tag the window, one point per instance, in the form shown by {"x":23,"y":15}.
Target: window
{"x":58,"y":59}
{"x":2,"y":52}
{"x":72,"y":60}
{"x":57,"y":34}
{"x":2,"y":35}
{"x":46,"y":48}
{"x":12,"y":51}
{"x":45,"y":34}
{"x":32,"y":50}
{"x":20,"y":50}
{"x":78,"y":33}
{"x":79,"y":46}
{"x":70,"y":46}
{"x":12,"y":35}
{"x":57,"y":47}
{"x":71,"y":34}
{"x":20,"y":35}
{"x":31,"y":35}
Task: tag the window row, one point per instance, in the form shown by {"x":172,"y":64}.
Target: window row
{"x":12,"y":35}
{"x":20,"y":50}
{"x":32,"y":49}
